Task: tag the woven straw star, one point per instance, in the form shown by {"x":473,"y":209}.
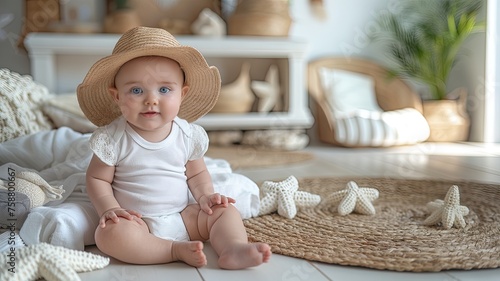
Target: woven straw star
{"x":449,"y":212}
{"x":49,"y":262}
{"x":285,"y":197}
{"x":355,"y":199}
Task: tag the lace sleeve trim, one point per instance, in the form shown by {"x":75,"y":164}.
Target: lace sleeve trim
{"x":103,"y":145}
{"x":199,"y":142}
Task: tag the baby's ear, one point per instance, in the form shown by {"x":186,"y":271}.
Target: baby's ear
{"x":185,"y":89}
{"x":114,"y":93}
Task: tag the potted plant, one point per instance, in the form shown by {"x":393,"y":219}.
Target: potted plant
{"x":424,"y":38}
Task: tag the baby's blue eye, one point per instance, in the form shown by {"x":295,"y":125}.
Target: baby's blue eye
{"x":164,"y":90}
{"x":136,"y":90}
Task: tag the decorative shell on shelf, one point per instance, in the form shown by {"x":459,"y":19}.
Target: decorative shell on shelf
{"x":236,"y":97}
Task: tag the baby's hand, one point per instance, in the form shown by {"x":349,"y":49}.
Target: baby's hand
{"x":208,"y":201}
{"x":115,"y":213}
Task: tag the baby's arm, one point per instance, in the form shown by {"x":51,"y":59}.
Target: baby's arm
{"x":200,"y":184}
{"x":99,"y":177}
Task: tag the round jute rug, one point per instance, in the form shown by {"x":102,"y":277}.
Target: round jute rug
{"x":241,"y":156}
{"x":394,"y":238}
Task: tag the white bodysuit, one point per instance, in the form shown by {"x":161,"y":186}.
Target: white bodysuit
{"x":150,"y":177}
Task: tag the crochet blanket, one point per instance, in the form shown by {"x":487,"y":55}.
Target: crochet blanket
{"x":20,"y":113}
{"x":61,"y":157}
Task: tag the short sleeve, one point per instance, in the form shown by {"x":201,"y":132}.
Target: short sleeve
{"x":103,"y":146}
{"x":199,"y":142}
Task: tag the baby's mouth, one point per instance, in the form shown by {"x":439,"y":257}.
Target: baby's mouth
{"x":150,"y":114}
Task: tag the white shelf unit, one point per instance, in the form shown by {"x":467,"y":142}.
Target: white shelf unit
{"x":60,"y":61}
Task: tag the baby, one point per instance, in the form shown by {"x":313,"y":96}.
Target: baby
{"x":147,"y":178}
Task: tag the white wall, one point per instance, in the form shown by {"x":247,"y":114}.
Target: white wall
{"x":10,"y":56}
{"x":346,"y":29}
{"x":492,"y":85}
{"x":343,"y":33}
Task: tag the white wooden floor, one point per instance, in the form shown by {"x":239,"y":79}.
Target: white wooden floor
{"x":455,"y":161}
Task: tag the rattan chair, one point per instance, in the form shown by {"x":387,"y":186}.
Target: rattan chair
{"x":391,"y":93}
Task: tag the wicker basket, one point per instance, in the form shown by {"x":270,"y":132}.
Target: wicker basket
{"x":448,"y":119}
{"x":260,"y":18}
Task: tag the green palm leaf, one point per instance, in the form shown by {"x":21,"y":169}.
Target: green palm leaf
{"x":425,"y":36}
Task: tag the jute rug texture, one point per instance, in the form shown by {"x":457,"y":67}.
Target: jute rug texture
{"x":394,"y":238}
{"x":240,"y":156}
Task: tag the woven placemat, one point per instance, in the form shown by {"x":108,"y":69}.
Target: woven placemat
{"x":241,"y":156}
{"x":393,"y":238}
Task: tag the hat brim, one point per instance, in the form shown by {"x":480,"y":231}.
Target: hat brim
{"x":203,"y":80}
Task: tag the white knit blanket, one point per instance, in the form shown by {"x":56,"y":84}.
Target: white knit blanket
{"x":20,"y":99}
{"x":61,"y":157}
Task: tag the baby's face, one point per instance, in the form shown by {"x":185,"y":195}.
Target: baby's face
{"x":149,"y":92}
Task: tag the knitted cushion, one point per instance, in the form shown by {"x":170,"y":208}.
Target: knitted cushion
{"x":20,"y":111}
{"x":64,"y":111}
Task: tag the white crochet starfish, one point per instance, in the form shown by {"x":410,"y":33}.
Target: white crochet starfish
{"x":49,"y":262}
{"x":285,"y":197}
{"x":355,"y":199}
{"x":448,"y":212}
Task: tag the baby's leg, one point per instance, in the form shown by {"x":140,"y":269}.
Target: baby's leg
{"x":227,"y":235}
{"x":131,"y":242}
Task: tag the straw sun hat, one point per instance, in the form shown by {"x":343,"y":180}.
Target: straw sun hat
{"x":203,"y":80}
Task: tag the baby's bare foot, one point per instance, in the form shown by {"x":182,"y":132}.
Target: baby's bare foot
{"x":245,"y":255}
{"x":190,"y":252}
